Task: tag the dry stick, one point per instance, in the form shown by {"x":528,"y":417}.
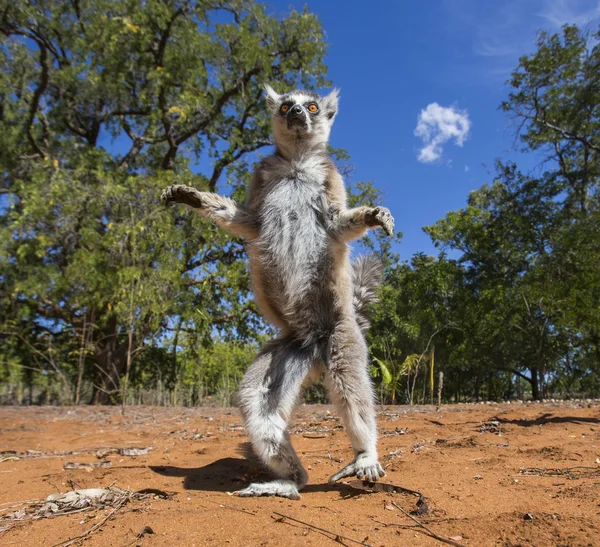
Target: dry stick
{"x":396,"y":524}
{"x":411,"y":525}
{"x":428,"y":530}
{"x":336,"y":535}
{"x":233,"y":507}
{"x":68,"y":542}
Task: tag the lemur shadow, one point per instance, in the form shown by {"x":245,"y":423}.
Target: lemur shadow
{"x":548,"y":418}
{"x":230,"y":474}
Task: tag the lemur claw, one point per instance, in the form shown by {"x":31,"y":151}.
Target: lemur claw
{"x":365,"y":468}
{"x":168,"y":194}
{"x":180,"y":193}
{"x":381,"y":216}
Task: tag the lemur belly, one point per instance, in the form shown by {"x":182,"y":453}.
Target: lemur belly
{"x":291,"y":256}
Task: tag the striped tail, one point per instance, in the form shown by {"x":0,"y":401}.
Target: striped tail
{"x":367,"y":275}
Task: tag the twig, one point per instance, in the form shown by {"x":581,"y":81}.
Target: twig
{"x":68,"y":542}
{"x":428,"y":530}
{"x":577,"y":472}
{"x":396,"y":524}
{"x":422,"y":507}
{"x":241,"y":509}
{"x":61,"y":513}
{"x":411,"y":525}
{"x":336,"y":535}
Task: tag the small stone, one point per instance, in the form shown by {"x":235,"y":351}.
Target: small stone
{"x":528,"y":516}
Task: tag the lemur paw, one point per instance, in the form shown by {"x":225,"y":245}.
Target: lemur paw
{"x":180,"y":193}
{"x":282,"y":488}
{"x":169,"y":194}
{"x":365,"y":467}
{"x":381,"y":216}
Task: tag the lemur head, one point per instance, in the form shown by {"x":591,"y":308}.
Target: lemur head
{"x":301,"y":119}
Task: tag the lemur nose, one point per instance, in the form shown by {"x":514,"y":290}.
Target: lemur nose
{"x":296,"y":109}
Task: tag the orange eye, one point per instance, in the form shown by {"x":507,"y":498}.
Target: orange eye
{"x":312,"y":107}
{"x":284,"y":108}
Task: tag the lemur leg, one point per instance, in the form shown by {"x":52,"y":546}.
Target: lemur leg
{"x":347,"y":380}
{"x":267,"y":396}
{"x":353,"y":223}
{"x":228,"y":214}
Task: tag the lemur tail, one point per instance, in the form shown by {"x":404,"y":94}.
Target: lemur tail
{"x":367,"y":275}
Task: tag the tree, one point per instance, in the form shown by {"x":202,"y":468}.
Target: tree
{"x":103,"y":104}
{"x":413,"y":315}
{"x":530,"y":244}
{"x":556,"y":100}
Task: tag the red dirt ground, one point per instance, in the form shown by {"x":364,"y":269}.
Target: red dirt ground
{"x":532,"y":478}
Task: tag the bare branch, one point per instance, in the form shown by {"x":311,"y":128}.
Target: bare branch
{"x":35,"y":102}
{"x":218,"y":106}
{"x":567,"y":134}
{"x":230,"y":157}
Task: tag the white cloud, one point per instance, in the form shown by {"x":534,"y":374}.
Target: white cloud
{"x":436,"y":125}
{"x":467,"y":168}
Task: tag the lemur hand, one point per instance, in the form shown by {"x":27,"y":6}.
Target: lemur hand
{"x":180,"y":193}
{"x":380,"y":216}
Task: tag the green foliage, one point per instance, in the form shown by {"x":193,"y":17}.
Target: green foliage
{"x":103,"y":105}
{"x":106,"y":296}
{"x":518,"y":309}
{"x":415,"y":312}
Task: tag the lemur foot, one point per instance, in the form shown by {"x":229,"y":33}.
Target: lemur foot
{"x":282,"y":488}
{"x":180,"y":193}
{"x":381,"y":216}
{"x":365,"y":467}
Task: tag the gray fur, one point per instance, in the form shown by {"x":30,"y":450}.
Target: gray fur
{"x":297,"y":226}
{"x":367,"y":274}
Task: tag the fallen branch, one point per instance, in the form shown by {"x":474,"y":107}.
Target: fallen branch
{"x":233,"y":507}
{"x":427,"y":529}
{"x":422,"y":507}
{"x":76,"y":501}
{"x":577,"y":472}
{"x":323,"y":530}
{"x":68,"y":466}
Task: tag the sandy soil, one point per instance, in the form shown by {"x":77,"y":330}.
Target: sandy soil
{"x":494,"y":474}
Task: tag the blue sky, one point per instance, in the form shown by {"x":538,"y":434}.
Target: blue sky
{"x":393,"y":59}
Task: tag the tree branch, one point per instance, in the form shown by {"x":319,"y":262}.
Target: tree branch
{"x":218,"y":107}
{"x":567,"y":134}
{"x":35,"y":102}
{"x":228,"y":158}
{"x":212,"y":256}
{"x":515,"y":371}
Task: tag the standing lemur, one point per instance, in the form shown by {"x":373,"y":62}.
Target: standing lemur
{"x":297,"y":228}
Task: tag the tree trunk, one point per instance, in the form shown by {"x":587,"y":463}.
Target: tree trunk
{"x":535,"y":385}
{"x":111,"y":362}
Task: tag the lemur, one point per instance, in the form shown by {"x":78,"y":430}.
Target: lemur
{"x":297,"y":228}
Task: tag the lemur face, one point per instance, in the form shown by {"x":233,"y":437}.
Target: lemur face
{"x":302,"y":115}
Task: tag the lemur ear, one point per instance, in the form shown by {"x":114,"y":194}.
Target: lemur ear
{"x":330,"y":104}
{"x":273,"y":98}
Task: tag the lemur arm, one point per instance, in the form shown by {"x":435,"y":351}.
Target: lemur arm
{"x":349,"y":224}
{"x":228,"y":214}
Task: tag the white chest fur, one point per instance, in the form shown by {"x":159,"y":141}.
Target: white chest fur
{"x":308,"y":170}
